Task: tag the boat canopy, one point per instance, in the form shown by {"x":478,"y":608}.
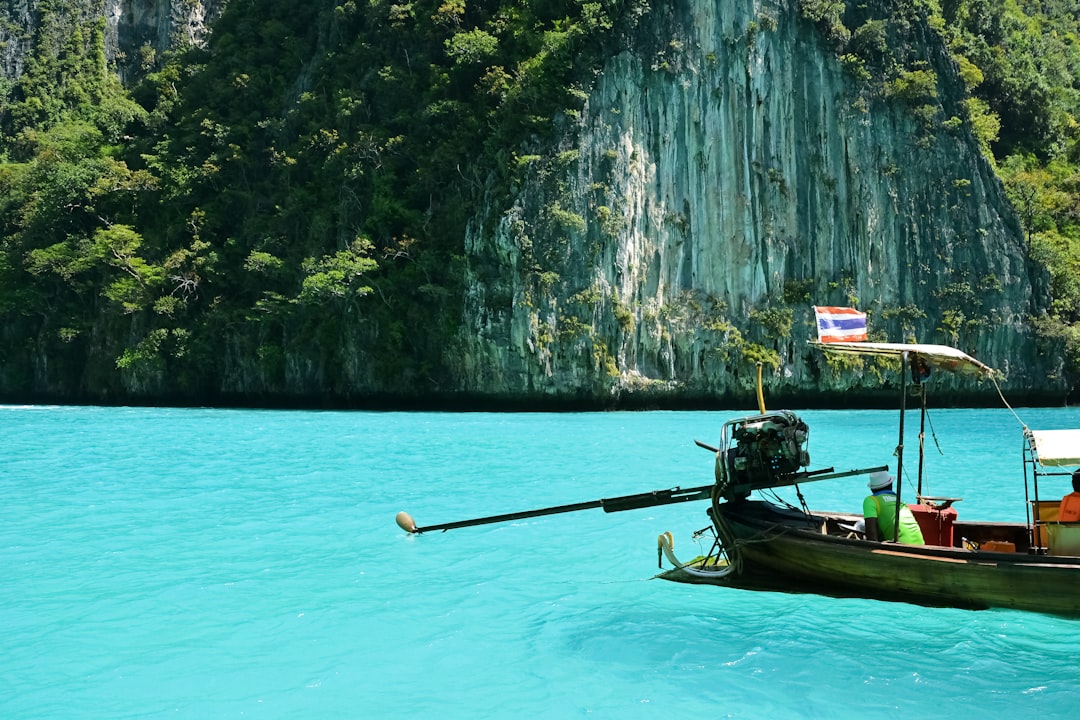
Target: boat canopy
{"x":939,"y":357}
{"x":1055,"y":448}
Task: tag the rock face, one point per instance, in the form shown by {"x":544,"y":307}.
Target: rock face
{"x":725,"y":174}
{"x":724,"y":177}
{"x":137,"y":31}
{"x":159,"y":25}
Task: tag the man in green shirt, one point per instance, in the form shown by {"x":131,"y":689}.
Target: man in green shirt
{"x":879,"y":511}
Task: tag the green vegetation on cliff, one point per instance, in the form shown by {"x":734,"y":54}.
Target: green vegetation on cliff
{"x":282,"y":212}
{"x":1019,"y":62}
{"x":258,"y":215}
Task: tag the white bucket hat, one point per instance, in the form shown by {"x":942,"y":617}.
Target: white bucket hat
{"x":879,"y":479}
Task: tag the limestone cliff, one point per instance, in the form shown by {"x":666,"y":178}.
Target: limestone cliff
{"x":138,"y":32}
{"x":726,"y":174}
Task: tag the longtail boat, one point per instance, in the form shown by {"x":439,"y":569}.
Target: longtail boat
{"x":762,"y":545}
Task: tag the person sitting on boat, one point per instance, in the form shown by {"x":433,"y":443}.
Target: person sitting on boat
{"x":1069,"y":510}
{"x":879,"y":511}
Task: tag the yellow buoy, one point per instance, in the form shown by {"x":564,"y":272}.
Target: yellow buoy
{"x":405,"y":522}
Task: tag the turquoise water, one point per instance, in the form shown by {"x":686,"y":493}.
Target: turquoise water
{"x":192,"y":563}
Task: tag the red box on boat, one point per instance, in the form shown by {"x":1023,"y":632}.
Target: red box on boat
{"x":936,"y":525}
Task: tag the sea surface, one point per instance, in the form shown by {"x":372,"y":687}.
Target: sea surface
{"x":203,"y":563}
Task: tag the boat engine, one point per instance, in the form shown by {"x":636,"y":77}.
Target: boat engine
{"x":759,"y":450}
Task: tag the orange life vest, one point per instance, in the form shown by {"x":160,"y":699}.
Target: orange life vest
{"x":1069,"y":511}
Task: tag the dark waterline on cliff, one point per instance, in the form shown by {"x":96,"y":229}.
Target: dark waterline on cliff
{"x":475,"y":402}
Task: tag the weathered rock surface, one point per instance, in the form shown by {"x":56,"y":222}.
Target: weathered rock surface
{"x":136,"y":30}
{"x":726,"y":174}
{"x":724,"y":178}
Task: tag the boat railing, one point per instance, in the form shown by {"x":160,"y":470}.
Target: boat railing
{"x":1045,"y":453}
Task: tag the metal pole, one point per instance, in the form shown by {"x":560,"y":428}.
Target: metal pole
{"x":900,"y":444}
{"x":922,"y":439}
{"x":615,"y":504}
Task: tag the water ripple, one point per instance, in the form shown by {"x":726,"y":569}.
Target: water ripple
{"x":210,"y":563}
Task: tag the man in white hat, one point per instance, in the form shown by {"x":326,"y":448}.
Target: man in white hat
{"x":879,"y":511}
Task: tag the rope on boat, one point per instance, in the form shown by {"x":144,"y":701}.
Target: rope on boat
{"x":724,"y":536}
{"x":993,"y":379}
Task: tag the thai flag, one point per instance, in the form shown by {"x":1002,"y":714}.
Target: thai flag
{"x":840,"y":324}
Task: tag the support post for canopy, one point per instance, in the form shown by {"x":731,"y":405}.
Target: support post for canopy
{"x":1035,"y":534}
{"x":1028,"y":453}
{"x":900,"y":443}
{"x":922,"y":437}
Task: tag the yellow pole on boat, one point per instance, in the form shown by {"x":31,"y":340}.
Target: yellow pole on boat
{"x":760,"y":394}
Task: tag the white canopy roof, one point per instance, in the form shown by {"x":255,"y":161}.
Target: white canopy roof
{"x":1056,"y":447}
{"x":939,"y":357}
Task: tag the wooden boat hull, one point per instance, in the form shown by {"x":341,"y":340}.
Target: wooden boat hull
{"x":788,"y":551}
